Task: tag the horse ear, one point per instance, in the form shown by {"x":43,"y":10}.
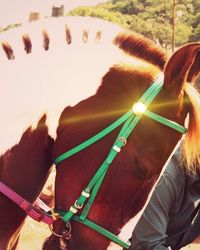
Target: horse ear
{"x":195,"y":69}
{"x":183,"y":66}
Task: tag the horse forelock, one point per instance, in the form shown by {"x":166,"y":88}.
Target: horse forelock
{"x":191,"y":146}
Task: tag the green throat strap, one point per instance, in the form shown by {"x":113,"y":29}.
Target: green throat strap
{"x":130,"y":120}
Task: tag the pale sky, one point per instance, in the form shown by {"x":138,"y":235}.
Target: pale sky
{"x":13,"y":11}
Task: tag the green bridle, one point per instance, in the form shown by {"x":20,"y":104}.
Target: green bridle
{"x":130,"y":120}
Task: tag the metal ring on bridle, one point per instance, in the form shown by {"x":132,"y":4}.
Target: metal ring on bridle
{"x":65,"y":233}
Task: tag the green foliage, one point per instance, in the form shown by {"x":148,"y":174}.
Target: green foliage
{"x":10,"y":26}
{"x":152,"y":18}
{"x":104,"y":13}
{"x":183,"y":32}
{"x":195,"y":35}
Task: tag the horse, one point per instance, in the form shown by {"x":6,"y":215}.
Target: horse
{"x":70,"y":70}
{"x":27,"y":94}
{"x":129,"y":65}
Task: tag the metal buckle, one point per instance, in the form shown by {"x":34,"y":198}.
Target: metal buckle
{"x":123,"y":140}
{"x":85,"y":194}
{"x":76,"y":205}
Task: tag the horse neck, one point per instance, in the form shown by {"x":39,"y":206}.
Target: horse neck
{"x":25,"y":167}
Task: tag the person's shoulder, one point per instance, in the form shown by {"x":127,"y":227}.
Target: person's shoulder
{"x":172,"y":181}
{"x":174,"y":168}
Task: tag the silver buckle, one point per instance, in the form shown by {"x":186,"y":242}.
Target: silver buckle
{"x":123,"y":140}
{"x":76,"y":205}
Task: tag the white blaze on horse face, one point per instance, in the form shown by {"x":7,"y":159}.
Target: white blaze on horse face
{"x":48,"y":81}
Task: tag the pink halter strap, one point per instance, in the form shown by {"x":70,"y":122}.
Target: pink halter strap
{"x":35,"y":213}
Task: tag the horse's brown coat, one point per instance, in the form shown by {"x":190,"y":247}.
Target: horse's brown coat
{"x":94,"y":81}
{"x":24,"y":168}
{"x":132,"y":175}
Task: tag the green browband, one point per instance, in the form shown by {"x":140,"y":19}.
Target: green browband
{"x":130,"y":120}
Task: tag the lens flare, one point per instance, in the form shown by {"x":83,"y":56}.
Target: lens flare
{"x":138,"y":108}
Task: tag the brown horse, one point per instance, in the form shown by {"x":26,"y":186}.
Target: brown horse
{"x":31,"y":74}
{"x":74,"y":62}
{"x":128,"y":67}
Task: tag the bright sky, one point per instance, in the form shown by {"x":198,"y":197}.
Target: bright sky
{"x":13,"y":11}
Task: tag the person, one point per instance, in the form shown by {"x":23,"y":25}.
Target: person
{"x":171,"y":219}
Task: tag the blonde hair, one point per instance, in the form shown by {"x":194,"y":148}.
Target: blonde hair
{"x":191,"y":145}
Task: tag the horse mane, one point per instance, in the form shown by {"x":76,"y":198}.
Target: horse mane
{"x":132,"y":43}
{"x":68,"y":34}
{"x":27,"y":43}
{"x":46,"y":40}
{"x":191,"y":145}
{"x":8,"y":50}
{"x":139,"y":46}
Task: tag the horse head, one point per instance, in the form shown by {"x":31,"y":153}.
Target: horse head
{"x":129,"y":180}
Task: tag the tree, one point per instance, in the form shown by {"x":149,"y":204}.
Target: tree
{"x":152,"y":18}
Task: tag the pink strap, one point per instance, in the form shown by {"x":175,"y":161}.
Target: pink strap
{"x":33,"y":212}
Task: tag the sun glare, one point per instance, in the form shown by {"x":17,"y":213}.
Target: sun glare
{"x":138,"y":108}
